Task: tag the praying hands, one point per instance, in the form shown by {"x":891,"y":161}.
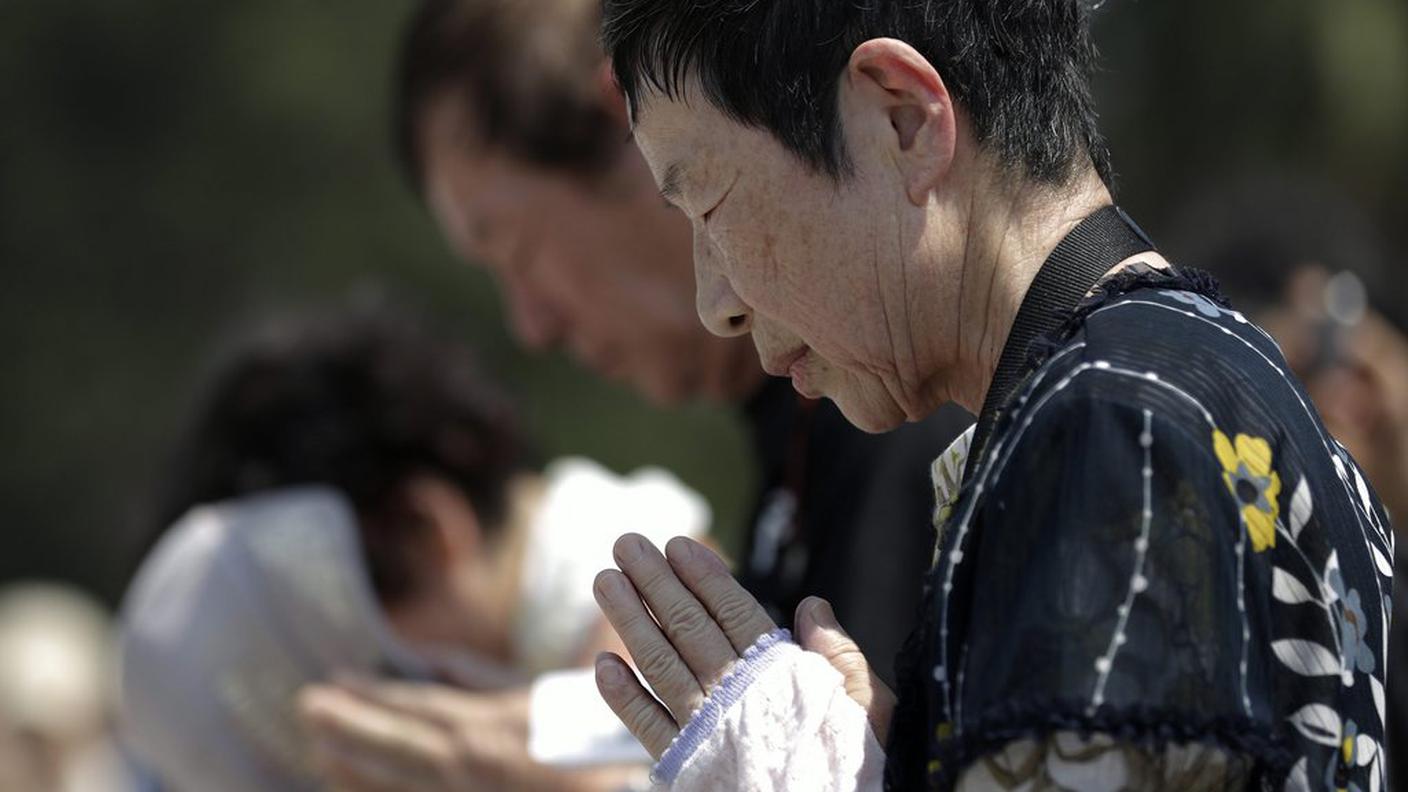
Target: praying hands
{"x":685,"y":622}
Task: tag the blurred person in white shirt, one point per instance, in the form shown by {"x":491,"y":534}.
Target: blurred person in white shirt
{"x":354,"y":495}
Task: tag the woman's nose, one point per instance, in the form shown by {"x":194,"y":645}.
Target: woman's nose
{"x":721,"y":310}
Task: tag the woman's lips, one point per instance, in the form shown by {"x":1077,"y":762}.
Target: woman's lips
{"x":793,"y":365}
{"x":781,"y":366}
{"x":797,"y":370}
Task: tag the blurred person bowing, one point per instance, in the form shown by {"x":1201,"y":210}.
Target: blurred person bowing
{"x":354,"y":496}
{"x":1307,"y":265}
{"x":513,"y":132}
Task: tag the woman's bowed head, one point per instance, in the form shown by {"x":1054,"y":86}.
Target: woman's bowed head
{"x":875,"y":235}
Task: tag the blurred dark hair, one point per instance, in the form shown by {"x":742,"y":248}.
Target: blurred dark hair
{"x":526,"y":71}
{"x":1255,"y":232}
{"x":358,"y":399}
{"x":1020,"y":69}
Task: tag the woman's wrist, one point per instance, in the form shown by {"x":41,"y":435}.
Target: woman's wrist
{"x":766,"y":651}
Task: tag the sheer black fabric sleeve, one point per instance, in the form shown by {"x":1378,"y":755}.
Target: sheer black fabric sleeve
{"x":1109,"y":598}
{"x":892,"y":544}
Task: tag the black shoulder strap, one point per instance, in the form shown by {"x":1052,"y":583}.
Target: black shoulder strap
{"x":1093,"y":248}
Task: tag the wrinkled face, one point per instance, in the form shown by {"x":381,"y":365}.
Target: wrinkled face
{"x":812,"y":267}
{"x":600,"y":267}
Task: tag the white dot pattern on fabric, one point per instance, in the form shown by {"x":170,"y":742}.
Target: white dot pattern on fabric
{"x":940,"y":672}
{"x":1138,"y":582}
{"x":997,"y":460}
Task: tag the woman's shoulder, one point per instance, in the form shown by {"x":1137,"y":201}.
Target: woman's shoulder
{"x":1166,"y":340}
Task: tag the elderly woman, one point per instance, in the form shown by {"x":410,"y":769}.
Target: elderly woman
{"x":1155,"y":568}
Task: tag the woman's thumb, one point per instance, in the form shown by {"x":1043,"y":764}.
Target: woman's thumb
{"x":819,"y":632}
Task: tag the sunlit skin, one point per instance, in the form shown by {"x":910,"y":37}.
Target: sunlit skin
{"x":598,"y":265}
{"x":890,"y":291}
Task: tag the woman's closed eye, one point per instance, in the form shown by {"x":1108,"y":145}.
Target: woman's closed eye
{"x":707,"y":216}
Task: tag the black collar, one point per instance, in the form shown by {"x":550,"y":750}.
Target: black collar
{"x":1093,"y":248}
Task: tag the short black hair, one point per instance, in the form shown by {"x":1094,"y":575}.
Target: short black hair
{"x":526,"y":71}
{"x":1255,"y":231}
{"x":359,"y":399}
{"x":1020,"y":68}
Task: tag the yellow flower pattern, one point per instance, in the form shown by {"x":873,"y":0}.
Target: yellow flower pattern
{"x":1246,"y":467}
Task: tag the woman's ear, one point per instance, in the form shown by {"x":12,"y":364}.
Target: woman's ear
{"x":453,"y":534}
{"x":899,"y":109}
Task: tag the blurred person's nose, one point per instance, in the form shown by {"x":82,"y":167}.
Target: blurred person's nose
{"x":536,"y":324}
{"x":721,"y":310}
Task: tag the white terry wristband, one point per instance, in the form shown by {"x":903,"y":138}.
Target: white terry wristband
{"x":570,"y":726}
{"x":780,"y":720}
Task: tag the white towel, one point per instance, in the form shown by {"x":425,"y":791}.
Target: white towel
{"x":780,"y":720}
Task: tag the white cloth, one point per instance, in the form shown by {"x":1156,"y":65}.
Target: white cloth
{"x":780,"y":721}
{"x":239,"y":606}
{"x":571,"y":726}
{"x":584,"y":510}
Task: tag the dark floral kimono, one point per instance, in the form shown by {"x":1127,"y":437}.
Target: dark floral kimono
{"x":1158,"y":571}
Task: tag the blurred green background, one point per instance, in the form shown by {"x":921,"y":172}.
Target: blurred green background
{"x":169,"y":171}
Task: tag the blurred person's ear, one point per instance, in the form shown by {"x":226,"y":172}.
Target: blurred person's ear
{"x":463,"y":577}
{"x":895,"y":107}
{"x":453,"y":534}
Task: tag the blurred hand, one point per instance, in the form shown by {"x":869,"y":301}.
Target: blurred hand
{"x":702,"y":622}
{"x":397,"y":735}
{"x":372,"y":736}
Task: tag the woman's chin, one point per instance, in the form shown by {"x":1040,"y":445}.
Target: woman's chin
{"x":868,"y":416}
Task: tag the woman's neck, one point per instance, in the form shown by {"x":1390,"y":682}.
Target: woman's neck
{"x":1010,"y":234}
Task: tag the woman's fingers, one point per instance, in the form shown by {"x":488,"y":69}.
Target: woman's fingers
{"x":818,"y":631}
{"x":734,"y":610}
{"x":691,"y":629}
{"x":643,"y":716}
{"x":705,"y":620}
{"x":653,"y":654}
